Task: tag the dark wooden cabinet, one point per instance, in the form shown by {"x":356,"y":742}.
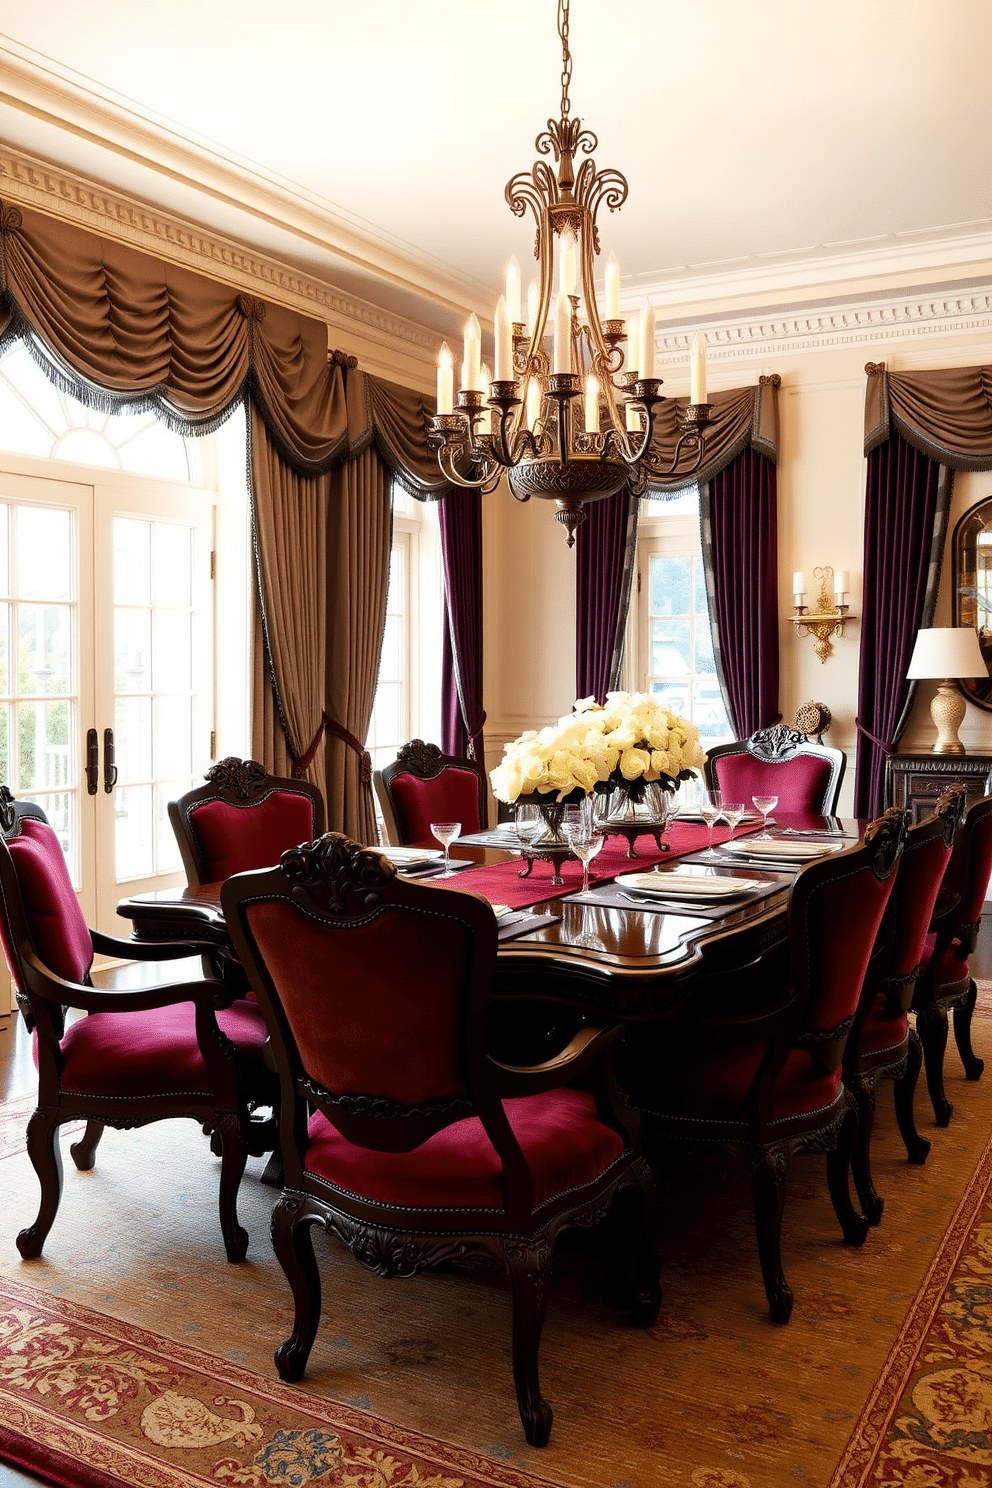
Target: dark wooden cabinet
{"x":915,"y":781}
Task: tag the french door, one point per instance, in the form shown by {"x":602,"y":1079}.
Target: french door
{"x":106,"y":669}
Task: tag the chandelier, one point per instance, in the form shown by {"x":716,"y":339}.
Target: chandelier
{"x":577,"y":426}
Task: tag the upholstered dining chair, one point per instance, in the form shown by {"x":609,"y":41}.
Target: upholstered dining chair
{"x":422,"y":785}
{"x":778,"y":761}
{"x":769,"y":1079}
{"x":945,"y":981}
{"x":401,"y":1134}
{"x":183,"y":1049}
{"x":242,"y":818}
{"x":882,"y":1042}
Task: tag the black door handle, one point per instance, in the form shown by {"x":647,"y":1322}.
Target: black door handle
{"x":92,"y":761}
{"x":109,"y":768}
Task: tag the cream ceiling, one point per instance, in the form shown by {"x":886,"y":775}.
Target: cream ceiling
{"x":770,"y":145}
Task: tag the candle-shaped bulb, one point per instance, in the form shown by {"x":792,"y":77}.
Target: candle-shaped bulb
{"x":512,"y":293}
{"x":533,"y":405}
{"x":612,"y":288}
{"x":646,"y":366}
{"x":697,"y":369}
{"x":473,"y":353}
{"x":633,"y":342}
{"x":562,"y":358}
{"x":504,"y":339}
{"x":445,"y":379}
{"x":592,"y":404}
{"x":566,"y":264}
{"x":533,"y":294}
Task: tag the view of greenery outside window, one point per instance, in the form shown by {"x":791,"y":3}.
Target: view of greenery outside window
{"x":675,"y":647}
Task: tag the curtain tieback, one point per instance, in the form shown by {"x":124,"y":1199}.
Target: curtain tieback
{"x":347,"y":737}
{"x":301,"y":761}
{"x":885,"y":748}
{"x":476,"y":734}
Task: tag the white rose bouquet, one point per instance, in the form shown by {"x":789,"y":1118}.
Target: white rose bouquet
{"x":631,"y":740}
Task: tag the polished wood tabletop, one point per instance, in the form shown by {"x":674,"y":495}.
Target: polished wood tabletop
{"x":595,"y":951}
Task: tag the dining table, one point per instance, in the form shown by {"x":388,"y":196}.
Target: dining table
{"x":651,"y":932}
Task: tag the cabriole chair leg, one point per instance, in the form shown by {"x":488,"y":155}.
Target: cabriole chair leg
{"x":973,"y":1066}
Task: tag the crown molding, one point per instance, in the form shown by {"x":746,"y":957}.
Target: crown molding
{"x":56,"y":97}
{"x":72,"y":198}
{"x":871,"y":320}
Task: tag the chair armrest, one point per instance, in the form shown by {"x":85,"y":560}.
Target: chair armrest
{"x":585,"y":1047}
{"x":150,"y":950}
{"x":44,"y":983}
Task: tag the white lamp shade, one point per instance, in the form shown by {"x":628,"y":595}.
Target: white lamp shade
{"x":951,"y":651}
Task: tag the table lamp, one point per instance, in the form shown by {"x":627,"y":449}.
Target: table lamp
{"x":947,"y":653}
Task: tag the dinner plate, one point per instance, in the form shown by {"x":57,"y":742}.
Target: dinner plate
{"x":779,"y":848}
{"x":407,"y":856}
{"x":675,"y":885}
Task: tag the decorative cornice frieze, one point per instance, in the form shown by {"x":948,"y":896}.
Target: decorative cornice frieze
{"x":59,"y":193}
{"x":893,"y":319}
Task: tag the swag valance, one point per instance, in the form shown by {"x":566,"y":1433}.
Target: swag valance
{"x":123,"y":330}
{"x":742,"y":418}
{"x":945,"y":414}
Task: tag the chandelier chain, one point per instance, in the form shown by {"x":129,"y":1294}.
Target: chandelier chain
{"x":566,"y":56}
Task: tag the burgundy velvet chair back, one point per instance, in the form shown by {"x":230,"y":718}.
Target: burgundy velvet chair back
{"x":422,"y":785}
{"x":374,"y":988}
{"x":970,"y":866}
{"x":922,"y":868}
{"x":39,"y":900}
{"x":242,"y":819}
{"x":835,"y":915}
{"x":781,"y":762}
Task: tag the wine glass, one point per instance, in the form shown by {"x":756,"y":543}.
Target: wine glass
{"x":764,"y":804}
{"x":446,"y":833}
{"x":527,"y":823}
{"x":732,"y":811}
{"x":710,"y":808}
{"x":585,"y":840}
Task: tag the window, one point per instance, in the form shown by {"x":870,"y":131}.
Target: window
{"x":37,"y":418}
{"x":408,"y":691}
{"x":674,"y":647}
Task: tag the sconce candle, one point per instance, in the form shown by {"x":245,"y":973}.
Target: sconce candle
{"x":799,"y":588}
{"x":842,"y":585}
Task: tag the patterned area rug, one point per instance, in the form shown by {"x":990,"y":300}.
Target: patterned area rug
{"x":132,"y":1353}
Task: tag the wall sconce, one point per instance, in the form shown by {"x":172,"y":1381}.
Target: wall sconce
{"x":827,"y":617}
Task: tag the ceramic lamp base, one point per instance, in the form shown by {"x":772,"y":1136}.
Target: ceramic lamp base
{"x":947,"y":711}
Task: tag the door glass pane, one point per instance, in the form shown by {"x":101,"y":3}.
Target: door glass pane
{"x":133,"y":738}
{"x":132,"y":650}
{"x":153,"y":630}
{"x":43,"y":654}
{"x":44,"y":553}
{"x":132,"y":562}
{"x":39,"y":668}
{"x":135,"y":853}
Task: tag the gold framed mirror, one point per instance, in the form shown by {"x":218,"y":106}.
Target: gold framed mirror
{"x":972,"y":594}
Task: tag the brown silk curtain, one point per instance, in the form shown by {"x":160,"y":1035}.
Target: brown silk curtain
{"x":946,"y":414}
{"x":118,"y":327}
{"x":742,"y":417}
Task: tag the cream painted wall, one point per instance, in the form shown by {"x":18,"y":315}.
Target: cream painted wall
{"x":529,"y":582}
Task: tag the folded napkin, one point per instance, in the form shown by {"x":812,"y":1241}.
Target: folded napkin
{"x":781,"y":848}
{"x":676,"y":885}
{"x":409,"y":855}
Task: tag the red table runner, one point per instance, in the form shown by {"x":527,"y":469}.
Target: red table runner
{"x":501,"y":883}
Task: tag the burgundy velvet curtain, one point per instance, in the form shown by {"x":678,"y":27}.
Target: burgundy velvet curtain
{"x":906,"y":503}
{"x":119,"y":328}
{"x":604,"y":563}
{"x":739,"y":524}
{"x":462,"y":713}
